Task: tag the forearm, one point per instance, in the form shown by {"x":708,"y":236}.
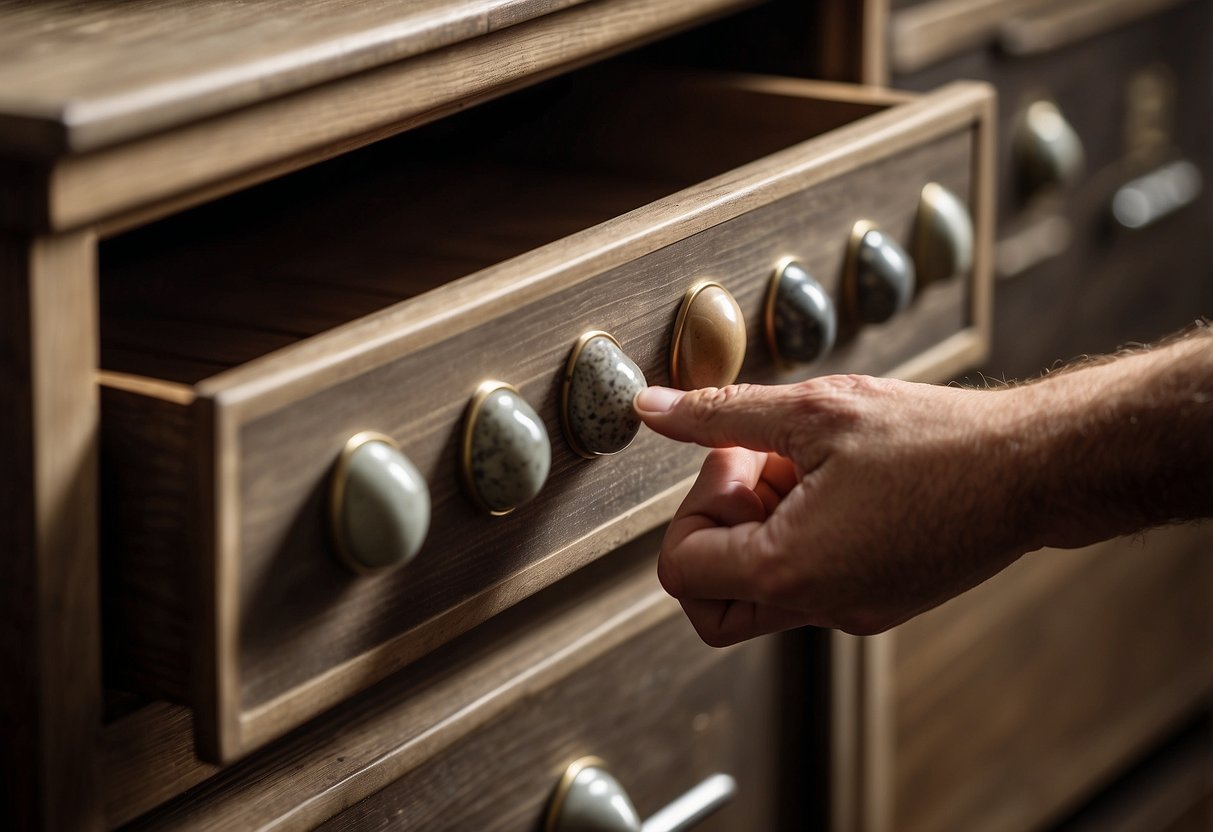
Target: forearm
{"x":1119,"y":446}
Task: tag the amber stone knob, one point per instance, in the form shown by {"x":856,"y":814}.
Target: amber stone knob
{"x":709,"y":340}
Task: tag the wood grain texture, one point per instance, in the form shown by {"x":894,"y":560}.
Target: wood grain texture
{"x":402,"y":724}
{"x":1103,"y":290}
{"x":50,"y":650}
{"x":1016,"y":700}
{"x":147,"y":644}
{"x":934,"y":31}
{"x":198,"y":161}
{"x":663,"y":711}
{"x":1170,"y":791}
{"x":275,"y":668}
{"x":75,"y":76}
{"x":925,"y":33}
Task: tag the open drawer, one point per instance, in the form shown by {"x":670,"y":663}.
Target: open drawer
{"x":245,"y":342}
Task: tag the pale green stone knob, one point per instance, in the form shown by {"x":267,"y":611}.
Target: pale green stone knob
{"x":943,"y":236}
{"x":380,"y":505}
{"x":1047,"y":150}
{"x":600,"y":383}
{"x":506,"y":451}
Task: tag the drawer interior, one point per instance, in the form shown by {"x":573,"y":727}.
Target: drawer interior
{"x":221,"y":285}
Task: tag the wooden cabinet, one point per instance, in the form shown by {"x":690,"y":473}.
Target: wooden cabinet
{"x":1013,"y":705}
{"x":235,"y":235}
{"x":237,"y":462}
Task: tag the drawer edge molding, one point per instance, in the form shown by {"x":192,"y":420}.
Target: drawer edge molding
{"x":289,"y":375}
{"x":240,"y":731}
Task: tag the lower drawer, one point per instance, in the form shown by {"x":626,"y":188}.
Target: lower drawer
{"x":1011,"y":705}
{"x":1170,"y":791}
{"x":663,"y":712}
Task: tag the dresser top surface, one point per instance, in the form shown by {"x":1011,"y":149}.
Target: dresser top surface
{"x":77,"y":75}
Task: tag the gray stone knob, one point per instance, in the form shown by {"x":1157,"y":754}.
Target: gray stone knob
{"x":506,"y":453}
{"x":800,"y":319}
{"x":879,"y":276}
{"x":380,"y":505}
{"x":600,"y":382}
{"x":943,"y":236}
{"x":1047,"y":151}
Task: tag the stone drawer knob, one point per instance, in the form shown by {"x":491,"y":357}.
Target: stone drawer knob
{"x":799,"y":314}
{"x":1046,"y":149}
{"x":943,"y":236}
{"x":709,"y":341}
{"x":589,"y":799}
{"x":506,"y":453}
{"x":879,"y":277}
{"x":600,"y":382}
{"x":380,"y":505}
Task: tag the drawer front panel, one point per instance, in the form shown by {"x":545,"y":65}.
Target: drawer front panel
{"x":1015,"y":702}
{"x":285,"y":631}
{"x":663,"y":712}
{"x":287,"y":454}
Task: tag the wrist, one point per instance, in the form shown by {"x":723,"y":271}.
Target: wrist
{"x":1118,"y":446}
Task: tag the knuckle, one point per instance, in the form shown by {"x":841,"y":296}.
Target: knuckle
{"x":772,"y":575}
{"x":863,"y":622}
{"x":713,"y":637}
{"x":706,"y":402}
{"x":669,"y":574}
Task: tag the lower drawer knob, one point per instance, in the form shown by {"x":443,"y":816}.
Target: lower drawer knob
{"x":708,"y":346}
{"x":799,"y":314}
{"x":589,"y":799}
{"x":600,"y":382}
{"x":943,"y":236}
{"x":506,"y":451}
{"x":380,"y":505}
{"x":879,"y":275}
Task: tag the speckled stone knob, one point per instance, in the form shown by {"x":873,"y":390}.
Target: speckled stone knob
{"x":879,"y":275}
{"x":800,"y":319}
{"x":380,"y":505}
{"x":708,"y":346}
{"x":943,"y":236}
{"x":506,"y":451}
{"x":1047,"y":151}
{"x":600,"y":382}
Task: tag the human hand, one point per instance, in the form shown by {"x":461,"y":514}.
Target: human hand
{"x":843,"y":501}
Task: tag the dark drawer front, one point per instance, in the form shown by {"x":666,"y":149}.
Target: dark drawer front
{"x":1072,"y":280}
{"x":663,"y":711}
{"x":1014,"y":703}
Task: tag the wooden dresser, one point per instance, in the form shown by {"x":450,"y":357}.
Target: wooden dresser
{"x":237,"y":239}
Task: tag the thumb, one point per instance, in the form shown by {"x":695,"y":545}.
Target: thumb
{"x":758,"y":417}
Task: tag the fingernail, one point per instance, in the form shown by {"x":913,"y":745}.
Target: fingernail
{"x":657,"y":399}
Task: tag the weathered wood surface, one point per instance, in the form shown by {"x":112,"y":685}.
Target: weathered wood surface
{"x":407,"y":371}
{"x":50,"y":641}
